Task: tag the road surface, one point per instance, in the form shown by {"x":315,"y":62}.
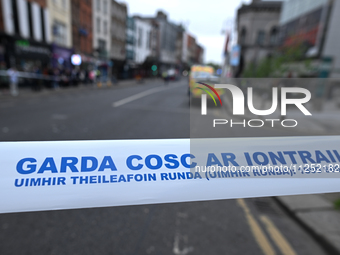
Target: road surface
{"x":146,"y":111}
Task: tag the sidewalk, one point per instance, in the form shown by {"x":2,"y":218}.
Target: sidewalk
{"x":24,"y":92}
{"x":317,"y":214}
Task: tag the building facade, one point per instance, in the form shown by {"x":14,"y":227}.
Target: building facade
{"x":61,"y":32}
{"x":181,"y":49}
{"x":101,"y":16}
{"x":168,"y":38}
{"x":143,"y":43}
{"x":26,"y":34}
{"x":188,"y":51}
{"x":164,"y":41}
{"x":130,"y":39}
{"x":199,"y":54}
{"x":60,"y":20}
{"x":118,"y":38}
{"x":129,"y":68}
{"x":192,"y":50}
{"x":82,"y":26}
{"x":313,"y":25}
{"x":303,"y":22}
{"x":331,"y":40}
{"x":258,"y":30}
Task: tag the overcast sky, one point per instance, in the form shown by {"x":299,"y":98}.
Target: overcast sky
{"x":204,"y":19}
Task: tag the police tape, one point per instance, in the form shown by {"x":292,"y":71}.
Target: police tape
{"x":29,"y":75}
{"x":39,"y":176}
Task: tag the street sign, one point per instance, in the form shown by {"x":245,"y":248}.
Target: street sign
{"x":235,"y":55}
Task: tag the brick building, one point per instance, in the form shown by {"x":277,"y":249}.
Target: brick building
{"x":81,"y":12}
{"x":42,"y":3}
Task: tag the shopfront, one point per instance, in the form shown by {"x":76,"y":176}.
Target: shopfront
{"x":101,"y":65}
{"x":61,"y":57}
{"x":28,"y":55}
{"x":31,"y":55}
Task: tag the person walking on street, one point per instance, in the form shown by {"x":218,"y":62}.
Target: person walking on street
{"x":13,"y":77}
{"x":92,"y":77}
{"x":165,"y":77}
{"x":56,"y":75}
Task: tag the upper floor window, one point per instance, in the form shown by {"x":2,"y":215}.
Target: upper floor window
{"x":105,"y":7}
{"x":105,"y":27}
{"x":148,"y":43}
{"x":98,"y":25}
{"x":140,"y":36}
{"x":102,"y":45}
{"x":273,"y":36}
{"x":243,"y":36}
{"x":59,"y":33}
{"x":130,"y":24}
{"x":98,"y":5}
{"x":260,"y":37}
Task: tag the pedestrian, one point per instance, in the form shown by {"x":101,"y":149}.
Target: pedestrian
{"x":138,"y":78}
{"x":38,"y":81}
{"x":98,"y":75}
{"x":56,"y":74}
{"x":74,"y":80}
{"x":3,"y":77}
{"x":165,"y":77}
{"x":82,"y":77}
{"x":92,"y":77}
{"x":13,"y":77}
{"x":68,"y":77}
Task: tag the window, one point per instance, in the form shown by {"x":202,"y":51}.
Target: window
{"x":130,"y":54}
{"x":102,"y":45}
{"x":105,"y":27}
{"x":148,"y":38}
{"x":243,"y":36}
{"x":105,"y":7}
{"x":102,"y":48}
{"x":130,"y":24}
{"x":130,"y":40}
{"x":140,"y":36}
{"x":98,"y":5}
{"x":273,"y":36}
{"x":260,"y":37}
{"x":59,"y":33}
{"x":98,"y":25}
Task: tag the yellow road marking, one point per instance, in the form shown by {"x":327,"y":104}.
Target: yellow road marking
{"x":256,"y":229}
{"x":278,"y":238}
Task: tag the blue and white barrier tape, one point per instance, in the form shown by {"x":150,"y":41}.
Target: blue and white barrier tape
{"x":39,"y":176}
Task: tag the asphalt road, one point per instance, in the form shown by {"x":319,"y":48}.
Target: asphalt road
{"x":249,"y":226}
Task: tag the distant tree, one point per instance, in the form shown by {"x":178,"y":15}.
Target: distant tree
{"x":214,"y":65}
{"x":277,"y":65}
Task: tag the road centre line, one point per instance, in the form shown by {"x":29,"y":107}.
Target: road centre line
{"x":143,"y":94}
{"x":278,"y":238}
{"x":259,"y":235}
